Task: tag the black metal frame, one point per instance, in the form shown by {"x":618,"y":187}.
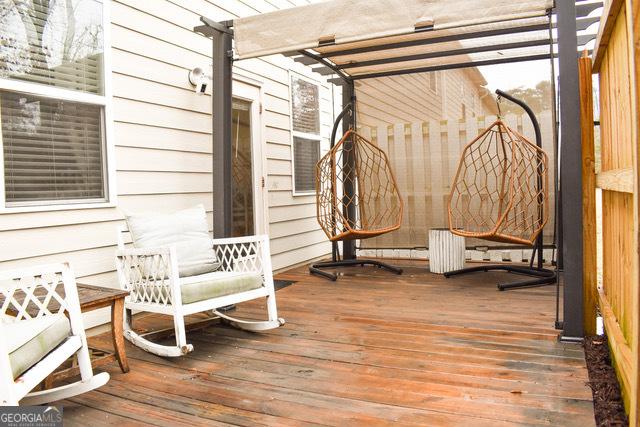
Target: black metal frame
{"x":570,"y":17}
{"x":222,"y":56}
{"x":318,"y":268}
{"x":570,"y":242}
{"x":348,"y":246}
{"x":543,"y":276}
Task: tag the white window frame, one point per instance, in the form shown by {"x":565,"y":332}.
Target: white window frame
{"x":104,"y":101}
{"x":311,"y":136}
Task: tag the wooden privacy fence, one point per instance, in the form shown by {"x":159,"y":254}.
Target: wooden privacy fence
{"x":424,"y":157}
{"x":615,"y":59}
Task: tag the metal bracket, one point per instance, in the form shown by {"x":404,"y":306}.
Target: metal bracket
{"x":210,"y":26}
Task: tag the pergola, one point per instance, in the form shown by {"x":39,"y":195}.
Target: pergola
{"x":361,"y":39}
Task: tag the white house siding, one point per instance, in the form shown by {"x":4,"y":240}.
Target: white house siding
{"x":162,"y":137}
{"x":409,"y":98}
{"x":398,"y":99}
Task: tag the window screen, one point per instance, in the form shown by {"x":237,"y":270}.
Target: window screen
{"x":306,"y":154}
{"x":53,"y":150}
{"x":305,"y":106}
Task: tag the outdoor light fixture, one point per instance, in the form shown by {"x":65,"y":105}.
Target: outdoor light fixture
{"x":199,"y":79}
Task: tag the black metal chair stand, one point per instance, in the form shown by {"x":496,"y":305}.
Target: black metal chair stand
{"x":318,"y":268}
{"x":542,"y":276}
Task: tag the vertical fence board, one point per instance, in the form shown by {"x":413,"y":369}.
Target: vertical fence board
{"x":633,"y":13}
{"x":450,"y":160}
{"x":436,"y":150}
{"x":590,"y":282}
{"x":419,"y":223}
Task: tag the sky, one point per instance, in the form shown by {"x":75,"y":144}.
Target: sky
{"x":511,"y":76}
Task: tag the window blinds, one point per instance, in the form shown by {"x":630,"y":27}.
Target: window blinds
{"x":53,"y":43}
{"x":306,"y":155}
{"x":52,"y":149}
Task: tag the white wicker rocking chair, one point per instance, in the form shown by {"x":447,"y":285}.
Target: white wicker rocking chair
{"x":36,"y":337}
{"x":151,"y":275}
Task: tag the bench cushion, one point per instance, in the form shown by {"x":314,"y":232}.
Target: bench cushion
{"x":32,"y":339}
{"x":187,"y":230}
{"x":218,"y":284}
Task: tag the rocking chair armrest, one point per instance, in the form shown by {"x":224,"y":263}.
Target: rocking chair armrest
{"x":140,"y":269}
{"x":244,"y":254}
{"x":239,"y":240}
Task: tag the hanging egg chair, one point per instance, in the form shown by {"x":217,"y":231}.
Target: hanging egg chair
{"x":500,"y":191}
{"x":356,"y":167}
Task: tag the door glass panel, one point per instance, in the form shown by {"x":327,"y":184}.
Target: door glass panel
{"x":242,"y":182}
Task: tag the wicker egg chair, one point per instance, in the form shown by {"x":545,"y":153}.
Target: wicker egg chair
{"x":501,"y":193}
{"x":495,"y":194}
{"x":357,"y":163}
{"x":357,"y":197}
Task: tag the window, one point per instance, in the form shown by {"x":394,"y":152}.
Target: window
{"x":305,"y":124}
{"x":52,"y":103}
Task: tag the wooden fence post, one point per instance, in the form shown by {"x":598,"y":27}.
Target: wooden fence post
{"x":633,"y":25}
{"x":590,"y":282}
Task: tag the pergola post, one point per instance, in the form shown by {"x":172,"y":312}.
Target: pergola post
{"x":571,"y":172}
{"x":221,"y":122}
{"x":349,"y":122}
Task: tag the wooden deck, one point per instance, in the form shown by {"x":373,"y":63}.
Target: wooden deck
{"x":370,"y":349}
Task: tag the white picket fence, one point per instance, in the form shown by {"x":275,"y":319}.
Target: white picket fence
{"x":424,"y":156}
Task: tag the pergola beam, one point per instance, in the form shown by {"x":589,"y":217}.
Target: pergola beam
{"x":468,"y":64}
{"x":581,"y":25}
{"x":445,"y":53}
{"x":440,"y":39}
{"x":455,"y":66}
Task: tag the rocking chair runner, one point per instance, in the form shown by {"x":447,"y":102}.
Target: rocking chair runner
{"x":36,"y":336}
{"x":357,"y":197}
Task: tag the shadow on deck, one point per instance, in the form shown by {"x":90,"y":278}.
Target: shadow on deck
{"x":372,"y":348}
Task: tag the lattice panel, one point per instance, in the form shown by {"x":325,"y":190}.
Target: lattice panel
{"x":355,"y":166}
{"x":500,"y":191}
{"x":147,"y":278}
{"x":246,"y":257}
{"x":28,"y":297}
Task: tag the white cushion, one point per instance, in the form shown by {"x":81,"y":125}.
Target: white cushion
{"x":218,"y":284}
{"x":31,"y":340}
{"x":187,"y":230}
{"x":18,"y":333}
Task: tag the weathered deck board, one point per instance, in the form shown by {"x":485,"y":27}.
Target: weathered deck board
{"x":370,"y":349}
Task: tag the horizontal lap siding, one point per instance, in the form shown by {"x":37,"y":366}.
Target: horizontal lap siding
{"x":162,"y":138}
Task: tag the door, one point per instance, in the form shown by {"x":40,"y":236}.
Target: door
{"x":247,"y":184}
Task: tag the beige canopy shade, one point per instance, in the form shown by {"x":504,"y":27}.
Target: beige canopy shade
{"x":346,"y":21}
{"x":362,"y":38}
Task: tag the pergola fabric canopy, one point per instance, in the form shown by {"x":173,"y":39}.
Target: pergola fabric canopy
{"x":339,"y":22}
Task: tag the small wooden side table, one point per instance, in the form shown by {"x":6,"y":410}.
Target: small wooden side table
{"x":92,"y":298}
